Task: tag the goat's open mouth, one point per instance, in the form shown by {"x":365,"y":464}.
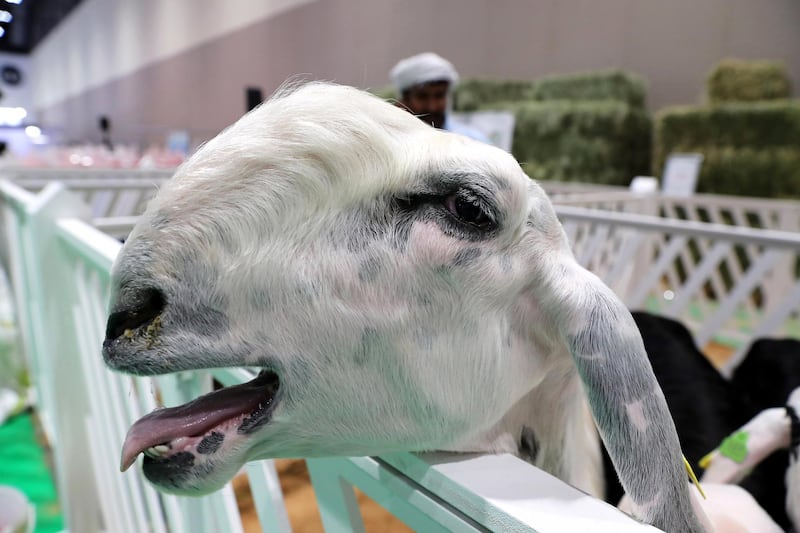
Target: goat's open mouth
{"x":200,"y":426}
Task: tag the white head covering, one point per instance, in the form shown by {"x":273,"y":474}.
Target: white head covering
{"x":422,"y":68}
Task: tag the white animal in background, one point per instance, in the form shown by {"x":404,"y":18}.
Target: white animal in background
{"x":727,"y":509}
{"x":403,"y":289}
{"x":771,"y":430}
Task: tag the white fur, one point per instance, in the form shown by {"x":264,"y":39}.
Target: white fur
{"x":393,"y":327}
{"x":726,"y":509}
{"x":767,"y":432}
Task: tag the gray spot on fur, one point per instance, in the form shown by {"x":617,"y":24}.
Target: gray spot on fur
{"x":372,"y":343}
{"x":445,"y":274}
{"x":442,"y":270}
{"x":467,"y":256}
{"x":424,"y":299}
{"x":365,"y":228}
{"x":307,"y":290}
{"x":528,"y":445}
{"x":401,"y":233}
{"x":369,"y":338}
{"x":260,"y":299}
{"x":211,"y":443}
{"x":356,"y":243}
{"x":370,"y":268}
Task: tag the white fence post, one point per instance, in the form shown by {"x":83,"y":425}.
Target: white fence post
{"x":338,"y":507}
{"x":46,"y":294}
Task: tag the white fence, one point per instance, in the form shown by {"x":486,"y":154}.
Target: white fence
{"x":60,"y":274}
{"x":726,"y":282}
{"x":115,"y":197}
{"x":726,"y":266}
{"x":59,"y":267}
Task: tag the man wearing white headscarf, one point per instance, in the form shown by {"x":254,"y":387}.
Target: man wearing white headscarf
{"x":424,"y":83}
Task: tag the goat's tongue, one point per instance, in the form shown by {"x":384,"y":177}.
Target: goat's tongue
{"x":196,"y":417}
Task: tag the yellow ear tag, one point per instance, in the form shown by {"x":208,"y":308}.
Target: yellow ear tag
{"x":693,"y":477}
{"x":706,"y":460}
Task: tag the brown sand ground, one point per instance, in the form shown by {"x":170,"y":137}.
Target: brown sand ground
{"x":301,"y":504}
{"x":718,"y":354}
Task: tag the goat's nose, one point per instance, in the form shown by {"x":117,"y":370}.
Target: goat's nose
{"x":143,"y":306}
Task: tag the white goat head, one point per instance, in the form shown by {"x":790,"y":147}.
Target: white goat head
{"x":403,"y":288}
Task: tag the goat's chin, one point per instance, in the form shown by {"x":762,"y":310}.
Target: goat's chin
{"x":192,"y":479}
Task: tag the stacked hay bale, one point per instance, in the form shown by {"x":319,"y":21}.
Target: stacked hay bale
{"x":589,"y":127}
{"x":748,"y":132}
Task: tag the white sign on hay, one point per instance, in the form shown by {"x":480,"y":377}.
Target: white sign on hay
{"x":498,"y":126}
{"x":680,"y":174}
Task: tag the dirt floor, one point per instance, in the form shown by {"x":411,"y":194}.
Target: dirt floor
{"x":718,"y":354}
{"x":302,"y":505}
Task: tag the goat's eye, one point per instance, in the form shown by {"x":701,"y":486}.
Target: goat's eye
{"x":468,"y":208}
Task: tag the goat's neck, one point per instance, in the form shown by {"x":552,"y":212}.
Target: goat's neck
{"x":551,"y":427}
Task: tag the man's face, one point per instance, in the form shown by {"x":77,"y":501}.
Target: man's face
{"x":428,"y":101}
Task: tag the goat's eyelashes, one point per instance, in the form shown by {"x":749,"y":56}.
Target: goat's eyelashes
{"x":467,"y":207}
{"x":462,"y":213}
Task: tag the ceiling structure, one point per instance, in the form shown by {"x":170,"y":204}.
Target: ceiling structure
{"x":24,"y":23}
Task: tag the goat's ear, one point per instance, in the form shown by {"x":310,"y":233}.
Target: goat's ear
{"x":624,"y":396}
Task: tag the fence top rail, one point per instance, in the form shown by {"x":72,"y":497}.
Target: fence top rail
{"x":116,"y":226}
{"x":16,"y":196}
{"x":77,"y":184}
{"x":572,"y":187}
{"x":582,"y":197}
{"x":500,"y":491}
{"x":723,"y":199}
{"x":96,"y":248}
{"x":689,"y":228}
{"x":33,"y":172}
{"x":601,"y":196}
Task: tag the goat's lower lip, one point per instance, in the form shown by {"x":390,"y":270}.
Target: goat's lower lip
{"x":248,"y":405}
{"x":171,"y":471}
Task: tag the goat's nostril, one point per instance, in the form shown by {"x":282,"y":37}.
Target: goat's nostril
{"x":145,"y":306}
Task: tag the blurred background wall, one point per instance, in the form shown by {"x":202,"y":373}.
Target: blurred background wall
{"x":152,"y":66}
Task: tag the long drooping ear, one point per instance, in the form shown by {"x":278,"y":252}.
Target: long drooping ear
{"x":624,"y":396}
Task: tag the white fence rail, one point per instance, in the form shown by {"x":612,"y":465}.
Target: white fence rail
{"x":60,"y":267}
{"x":109,"y":193}
{"x":726,"y":283}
